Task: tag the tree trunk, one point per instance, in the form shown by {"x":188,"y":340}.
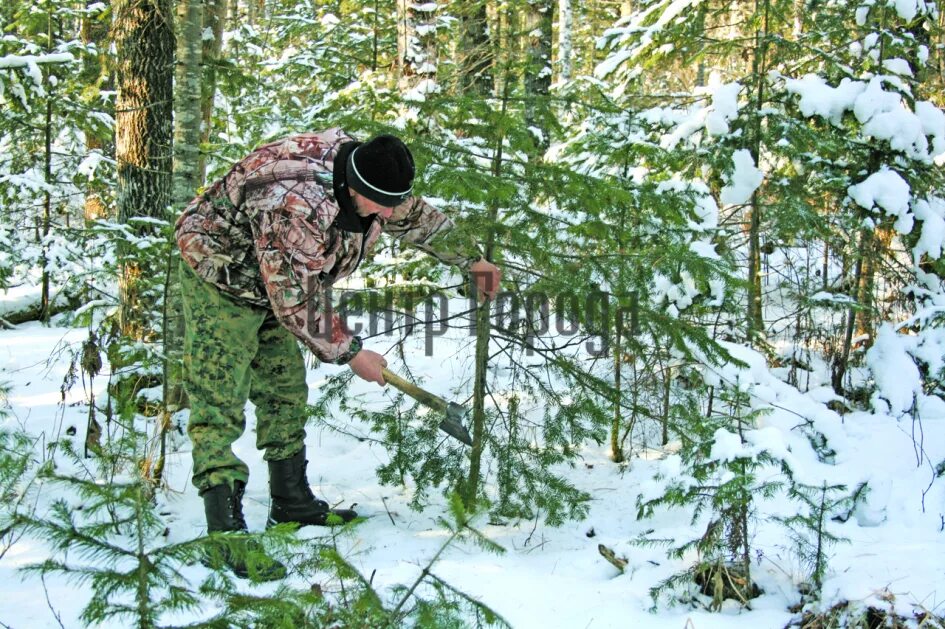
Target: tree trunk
{"x":799,"y":10}
{"x":841,"y":361}
{"x":47,"y":208}
{"x":187,"y":101}
{"x":143,"y":34}
{"x":616,"y":447}
{"x":475,"y":62}
{"x":565,"y":39}
{"x":416,"y":42}
{"x":538,"y":67}
{"x":756,"y":326}
{"x":47,"y":171}
{"x":483,"y":335}
{"x":93,"y":31}
{"x":874,"y":250}
{"x":214,"y":17}
{"x":187,"y":119}
{"x":700,"y":25}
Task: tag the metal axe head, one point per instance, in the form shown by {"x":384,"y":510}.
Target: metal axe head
{"x":453,"y":424}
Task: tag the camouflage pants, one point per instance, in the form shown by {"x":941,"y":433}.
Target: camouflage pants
{"x":234,"y":352}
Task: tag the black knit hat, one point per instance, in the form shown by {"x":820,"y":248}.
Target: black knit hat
{"x":382,"y":170}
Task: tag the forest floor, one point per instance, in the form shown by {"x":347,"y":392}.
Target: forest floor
{"x":548,"y":576}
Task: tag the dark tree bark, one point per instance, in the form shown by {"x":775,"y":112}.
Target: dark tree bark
{"x":475,"y":60}
{"x":144,"y":39}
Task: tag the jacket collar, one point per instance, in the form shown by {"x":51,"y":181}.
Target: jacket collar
{"x":348,"y":219}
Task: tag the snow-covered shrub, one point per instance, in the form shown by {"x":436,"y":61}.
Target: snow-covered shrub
{"x":725,"y":471}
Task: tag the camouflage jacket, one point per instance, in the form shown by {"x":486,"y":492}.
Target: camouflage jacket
{"x":281,"y":226}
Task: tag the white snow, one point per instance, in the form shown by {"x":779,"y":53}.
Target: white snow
{"x":705,"y":207}
{"x":727,"y":446}
{"x":420,"y":91}
{"x":898,"y":66}
{"x":643,"y":27}
{"x":861,"y":14}
{"x":887,"y":190}
{"x":88,"y":165}
{"x":705,"y":249}
{"x":724,"y":107}
{"x":932,"y":120}
{"x":20,"y":61}
{"x":883,"y":114}
{"x":677,"y":296}
{"x":743,"y":181}
{"x":932,"y":214}
{"x":874,"y":100}
{"x":820,"y":99}
{"x":554,"y":577}
{"x":897,"y":377}
{"x":908,"y":9}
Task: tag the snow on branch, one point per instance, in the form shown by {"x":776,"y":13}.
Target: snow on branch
{"x":20,"y":61}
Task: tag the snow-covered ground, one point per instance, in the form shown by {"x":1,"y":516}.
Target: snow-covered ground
{"x":548,"y":577}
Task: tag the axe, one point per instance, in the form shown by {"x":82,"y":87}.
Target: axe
{"x":452,"y":424}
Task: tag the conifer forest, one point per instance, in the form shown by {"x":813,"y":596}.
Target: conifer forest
{"x":709,"y":393}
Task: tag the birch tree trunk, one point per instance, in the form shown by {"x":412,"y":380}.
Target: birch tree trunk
{"x":214,"y":18}
{"x":144,"y":39}
{"x":416,"y":42}
{"x":187,"y":119}
{"x":187,"y":101}
{"x":565,"y":39}
{"x":47,"y":172}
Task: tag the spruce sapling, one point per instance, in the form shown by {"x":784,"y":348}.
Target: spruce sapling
{"x":338,"y":595}
{"x":16,"y":462}
{"x":721,"y":482}
{"x":112,"y":538}
{"x":810,"y":528}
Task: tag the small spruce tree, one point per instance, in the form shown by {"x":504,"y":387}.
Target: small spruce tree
{"x":723,"y":479}
{"x":810,"y":526}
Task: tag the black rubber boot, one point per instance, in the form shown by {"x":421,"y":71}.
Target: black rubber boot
{"x":224,"y":510}
{"x":292,"y":498}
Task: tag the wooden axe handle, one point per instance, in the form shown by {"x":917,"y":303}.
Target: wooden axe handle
{"x":452,"y":424}
{"x":421,"y":395}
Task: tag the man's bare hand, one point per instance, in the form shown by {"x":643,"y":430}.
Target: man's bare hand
{"x":486,"y":276}
{"x":367,"y":365}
